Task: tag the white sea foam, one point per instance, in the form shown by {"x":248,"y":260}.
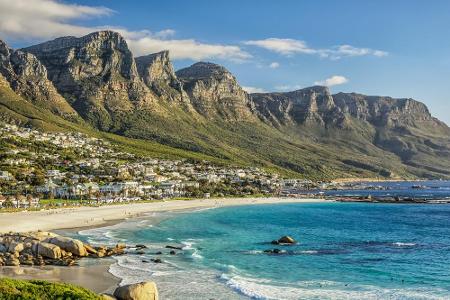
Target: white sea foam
{"x":264,"y":289}
{"x":400,"y":244}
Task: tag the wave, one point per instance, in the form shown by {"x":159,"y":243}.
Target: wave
{"x":267,"y":289}
{"x":400,"y":244}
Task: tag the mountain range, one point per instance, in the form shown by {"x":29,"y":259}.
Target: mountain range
{"x":94,"y":83}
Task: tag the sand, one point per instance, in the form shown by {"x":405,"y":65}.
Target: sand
{"x":64,"y":218}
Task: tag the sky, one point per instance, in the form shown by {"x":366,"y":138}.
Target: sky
{"x":392,"y":48}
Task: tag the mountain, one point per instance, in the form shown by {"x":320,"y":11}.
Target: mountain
{"x":27,"y":76}
{"x":93,"y":83}
{"x":215,"y":93}
{"x":97,"y":75}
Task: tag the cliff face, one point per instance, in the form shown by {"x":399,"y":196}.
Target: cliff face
{"x":96,"y":74}
{"x":215,"y":93}
{"x":312,"y":106}
{"x":156,"y":70}
{"x":28,"y":78}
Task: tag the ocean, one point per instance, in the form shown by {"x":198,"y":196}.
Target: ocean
{"x":344,"y":251}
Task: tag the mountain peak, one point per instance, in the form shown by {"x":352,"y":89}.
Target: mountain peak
{"x":202,"y":70}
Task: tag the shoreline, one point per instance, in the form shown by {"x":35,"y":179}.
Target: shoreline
{"x":95,"y":275}
{"x":82,"y":217}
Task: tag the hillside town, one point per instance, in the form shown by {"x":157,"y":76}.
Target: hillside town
{"x":40,"y":169}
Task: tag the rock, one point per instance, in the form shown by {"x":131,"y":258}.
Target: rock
{"x":90,"y":249}
{"x":3,"y":248}
{"x":158,"y":253}
{"x":172,"y":252}
{"x":12,"y":261}
{"x":107,"y":297}
{"x":156,"y":260}
{"x":174,"y":247}
{"x":48,"y":250}
{"x":274,"y":251}
{"x":121,"y":246}
{"x":140,"y":252}
{"x":74,"y":246}
{"x":137,"y":291}
{"x":215,"y":92}
{"x":15,"y":247}
{"x":285,"y":240}
{"x":140,"y":246}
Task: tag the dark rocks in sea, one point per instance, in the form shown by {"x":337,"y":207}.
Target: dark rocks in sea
{"x":174,"y":247}
{"x":156,"y":260}
{"x":172,"y":252}
{"x":284,"y":240}
{"x":140,"y":246}
{"x":275,"y":251}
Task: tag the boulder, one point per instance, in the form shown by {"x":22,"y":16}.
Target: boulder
{"x":48,"y":250}
{"x":286,"y":240}
{"x":90,"y":249}
{"x":74,"y":246}
{"x":3,"y":248}
{"x":121,"y":246}
{"x":15,"y":247}
{"x":174,"y":247}
{"x":137,"y":291}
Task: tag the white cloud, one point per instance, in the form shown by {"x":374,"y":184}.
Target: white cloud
{"x":290,"y":47}
{"x":333,"y":80}
{"x":286,"y":88}
{"x":282,"y":46}
{"x":186,"y":49}
{"x":274,"y":65}
{"x":46,"y":19}
{"x":251,"y":89}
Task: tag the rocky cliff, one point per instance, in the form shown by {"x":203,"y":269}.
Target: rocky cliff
{"x":157,"y":72}
{"x":97,"y":74}
{"x":215,"y":93}
{"x":28,"y":78}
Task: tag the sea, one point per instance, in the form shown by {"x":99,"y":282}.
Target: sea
{"x":343,"y":250}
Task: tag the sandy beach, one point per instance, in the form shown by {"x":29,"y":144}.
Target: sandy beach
{"x":65,"y":218}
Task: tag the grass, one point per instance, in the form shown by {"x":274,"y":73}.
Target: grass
{"x":12,"y":289}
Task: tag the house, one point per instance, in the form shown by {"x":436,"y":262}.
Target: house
{"x":5,"y":175}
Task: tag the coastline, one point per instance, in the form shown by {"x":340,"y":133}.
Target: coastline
{"x":69,"y":218}
{"x":95,"y":275}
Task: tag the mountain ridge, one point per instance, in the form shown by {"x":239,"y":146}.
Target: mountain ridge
{"x":202,"y":108}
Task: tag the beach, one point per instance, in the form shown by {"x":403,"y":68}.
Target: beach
{"x":64,"y":218}
{"x":95,"y":276}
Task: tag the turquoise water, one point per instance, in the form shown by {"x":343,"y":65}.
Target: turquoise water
{"x":345,"y":251}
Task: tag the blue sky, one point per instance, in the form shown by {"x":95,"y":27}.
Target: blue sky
{"x":396,"y":48}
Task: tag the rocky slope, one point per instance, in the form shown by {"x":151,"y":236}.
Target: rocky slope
{"x":158,"y":74}
{"x":97,"y":74}
{"x":202,"y":108}
{"x":28,"y":77}
{"x":215,"y":93}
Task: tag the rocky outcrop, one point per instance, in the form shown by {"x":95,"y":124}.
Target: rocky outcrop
{"x":28,"y":78}
{"x":284,"y":240}
{"x":74,"y":246}
{"x":215,"y":93}
{"x":137,"y":291}
{"x":313,"y":106}
{"x":156,"y":70}
{"x":97,"y":74}
{"x":46,"y":248}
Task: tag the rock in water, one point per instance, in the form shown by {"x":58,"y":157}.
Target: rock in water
{"x":15,"y":247}
{"x":287,"y":240}
{"x":68,"y":244}
{"x":137,"y":291}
